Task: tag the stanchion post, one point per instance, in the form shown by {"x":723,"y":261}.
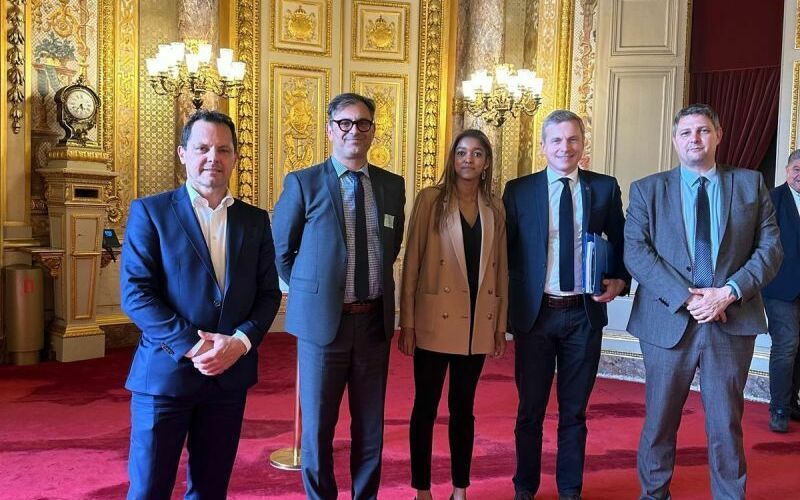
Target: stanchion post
{"x":289,"y":458}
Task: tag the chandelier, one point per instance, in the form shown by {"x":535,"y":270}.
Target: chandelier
{"x":507,"y":92}
{"x":174,"y":68}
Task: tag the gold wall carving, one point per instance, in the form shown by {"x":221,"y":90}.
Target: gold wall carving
{"x":122,"y":56}
{"x":795,"y":99}
{"x":157,"y":142}
{"x":15,"y":17}
{"x":582,"y":101}
{"x":298,"y":107}
{"x":796,"y":26}
{"x":380,"y":31}
{"x":430,"y":106}
{"x":302,"y":26}
{"x":248,"y":45}
{"x":390,"y":93}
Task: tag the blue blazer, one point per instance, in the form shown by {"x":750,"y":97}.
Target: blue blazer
{"x":527,"y":222}
{"x":311,"y":249}
{"x":786,"y":285}
{"x":169,"y":290}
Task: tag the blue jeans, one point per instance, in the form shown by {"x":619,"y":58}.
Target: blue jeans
{"x":784,"y":360}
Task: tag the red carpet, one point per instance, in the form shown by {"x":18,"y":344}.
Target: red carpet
{"x":64,"y":435}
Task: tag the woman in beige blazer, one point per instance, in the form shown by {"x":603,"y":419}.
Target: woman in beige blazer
{"x":453,"y":302}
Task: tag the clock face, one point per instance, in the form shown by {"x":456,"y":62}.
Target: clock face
{"x":80,"y":104}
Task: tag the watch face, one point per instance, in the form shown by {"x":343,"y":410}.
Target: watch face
{"x":80,"y":104}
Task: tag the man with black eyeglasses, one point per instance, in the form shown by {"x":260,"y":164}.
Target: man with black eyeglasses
{"x":338,"y":227}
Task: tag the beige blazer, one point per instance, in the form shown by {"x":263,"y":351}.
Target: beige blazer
{"x":434,"y":299}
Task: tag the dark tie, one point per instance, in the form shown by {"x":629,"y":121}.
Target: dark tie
{"x":566,"y":240}
{"x":703,"y":273}
{"x":361,"y":281}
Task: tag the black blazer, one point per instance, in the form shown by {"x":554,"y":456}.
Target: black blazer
{"x":786,"y":285}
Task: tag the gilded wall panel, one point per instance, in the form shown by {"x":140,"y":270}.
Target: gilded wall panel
{"x":245,"y":29}
{"x":157,"y":142}
{"x":123,"y":52}
{"x":795,"y":99}
{"x":381,"y":31}
{"x":298,"y":115}
{"x":302,"y":26}
{"x":583,"y":64}
{"x":390,"y":92}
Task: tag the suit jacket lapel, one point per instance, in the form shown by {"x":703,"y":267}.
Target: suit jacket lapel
{"x":541,"y":199}
{"x":487,"y":236}
{"x":182,"y":206}
{"x":790,"y":207}
{"x":377,"y":191}
{"x":236,"y":231}
{"x":674,"y":208}
{"x":457,"y":241}
{"x":586,"y":199}
{"x":332,"y":181}
{"x":726,"y":198}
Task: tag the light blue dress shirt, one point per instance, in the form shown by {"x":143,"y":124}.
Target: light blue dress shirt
{"x":690,"y":184}
{"x":552,"y":284}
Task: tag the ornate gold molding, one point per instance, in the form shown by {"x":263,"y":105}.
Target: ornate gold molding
{"x":16,"y":60}
{"x":79,"y":154}
{"x":565,"y":25}
{"x":429,"y":93}
{"x":49,"y":258}
{"x":121,"y":51}
{"x":247,"y":49}
{"x":795,"y":99}
{"x":797,"y":26}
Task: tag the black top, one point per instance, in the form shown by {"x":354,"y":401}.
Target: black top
{"x":472,"y":253}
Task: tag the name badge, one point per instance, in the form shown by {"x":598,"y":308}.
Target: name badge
{"x":388,"y":221}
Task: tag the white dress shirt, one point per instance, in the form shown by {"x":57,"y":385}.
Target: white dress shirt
{"x":214,"y":225}
{"x":552,"y":285}
{"x":796,"y":196}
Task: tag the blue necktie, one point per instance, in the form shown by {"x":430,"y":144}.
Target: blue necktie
{"x":361,"y":278}
{"x":566,"y":239}
{"x":703,"y":272}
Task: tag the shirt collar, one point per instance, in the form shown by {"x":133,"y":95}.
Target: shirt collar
{"x":795,"y":194}
{"x":196,"y":199}
{"x":553,"y":176}
{"x":341,"y":169}
{"x":690,"y":177}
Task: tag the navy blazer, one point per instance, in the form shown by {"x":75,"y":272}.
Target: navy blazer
{"x":786,"y":285}
{"x":527,"y":219}
{"x":169,"y":290}
{"x":311,"y":250}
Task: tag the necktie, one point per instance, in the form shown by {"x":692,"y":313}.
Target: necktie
{"x":566,"y":239}
{"x":361,"y":281}
{"x":703,"y":273}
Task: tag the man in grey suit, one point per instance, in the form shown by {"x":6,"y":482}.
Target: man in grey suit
{"x":701,"y":240}
{"x":338,"y":227}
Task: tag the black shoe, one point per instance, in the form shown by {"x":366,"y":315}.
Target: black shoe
{"x":523,"y":495}
{"x":779,"y":421}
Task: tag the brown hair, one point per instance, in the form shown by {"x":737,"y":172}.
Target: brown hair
{"x":446,"y":199}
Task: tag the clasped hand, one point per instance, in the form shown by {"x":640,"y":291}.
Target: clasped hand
{"x":218,"y":353}
{"x":709,"y":304}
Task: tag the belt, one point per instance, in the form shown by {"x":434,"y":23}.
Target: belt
{"x":362,"y":306}
{"x":563,"y":301}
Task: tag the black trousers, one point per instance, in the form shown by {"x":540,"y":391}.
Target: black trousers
{"x":429,"y":372}
{"x":562,"y":338}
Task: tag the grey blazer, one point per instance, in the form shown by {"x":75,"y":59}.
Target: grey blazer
{"x":657,"y":254}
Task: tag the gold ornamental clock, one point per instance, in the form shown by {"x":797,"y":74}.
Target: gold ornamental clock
{"x":76,"y":112}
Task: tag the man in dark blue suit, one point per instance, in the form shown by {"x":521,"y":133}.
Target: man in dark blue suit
{"x":782,"y":303}
{"x":555,"y":322}
{"x":338,"y":228}
{"x":198,"y":278}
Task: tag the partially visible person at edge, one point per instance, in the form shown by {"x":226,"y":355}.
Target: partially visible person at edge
{"x":453,"y":302}
{"x":782,"y":303}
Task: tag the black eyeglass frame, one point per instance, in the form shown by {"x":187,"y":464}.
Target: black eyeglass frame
{"x":346,"y":128}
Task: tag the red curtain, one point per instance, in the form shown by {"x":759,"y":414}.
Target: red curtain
{"x":747,"y":103}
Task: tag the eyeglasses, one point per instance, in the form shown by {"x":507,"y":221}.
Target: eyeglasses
{"x":363,"y":125}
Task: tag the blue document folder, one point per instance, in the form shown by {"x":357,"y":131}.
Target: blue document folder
{"x":598,"y":258}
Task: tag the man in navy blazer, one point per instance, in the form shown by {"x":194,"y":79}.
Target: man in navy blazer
{"x":555,"y":322}
{"x":782,"y":303}
{"x":198,"y":278}
{"x":338,"y":228}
